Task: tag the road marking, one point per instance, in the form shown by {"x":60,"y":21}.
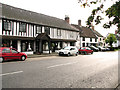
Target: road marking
{"x":61,"y":65}
{"x":11,"y":73}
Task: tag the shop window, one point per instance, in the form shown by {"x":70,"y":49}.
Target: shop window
{"x":39,"y":29}
{"x":27,"y":46}
{"x":5,"y":43}
{"x":71,"y":43}
{"x":7,"y":25}
{"x":22,"y":27}
{"x":47,"y":30}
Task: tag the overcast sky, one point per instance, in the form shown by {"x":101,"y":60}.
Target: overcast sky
{"x":60,"y":8}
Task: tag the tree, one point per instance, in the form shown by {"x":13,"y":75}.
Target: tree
{"x":112,"y":12}
{"x":111,"y":38}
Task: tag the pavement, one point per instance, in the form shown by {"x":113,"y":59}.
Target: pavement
{"x":41,"y":55}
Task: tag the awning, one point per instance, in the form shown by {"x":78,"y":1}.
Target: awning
{"x":63,"y":40}
{"x":43,"y":36}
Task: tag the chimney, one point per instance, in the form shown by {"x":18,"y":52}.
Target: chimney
{"x":93,"y":27}
{"x":116,"y":31}
{"x":79,"y":22}
{"x":67,"y":19}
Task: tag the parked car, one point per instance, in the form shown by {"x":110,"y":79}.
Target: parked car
{"x":7,"y":53}
{"x":69,"y":50}
{"x":93,"y":48}
{"x":85,"y":50}
{"x":106,"y":48}
{"x":101,"y":48}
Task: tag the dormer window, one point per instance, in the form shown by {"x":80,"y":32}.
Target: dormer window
{"x":7,"y":25}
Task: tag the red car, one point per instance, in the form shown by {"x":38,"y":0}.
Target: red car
{"x":7,"y":53}
{"x":85,"y":50}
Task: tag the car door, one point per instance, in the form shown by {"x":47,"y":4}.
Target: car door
{"x":6,"y":54}
{"x":15,"y":54}
{"x":72,"y":51}
{"x":88,"y":50}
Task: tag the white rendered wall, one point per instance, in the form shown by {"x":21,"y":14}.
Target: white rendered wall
{"x":19,"y":45}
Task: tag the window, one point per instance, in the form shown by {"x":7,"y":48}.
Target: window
{"x":47,"y":30}
{"x":82,"y":48}
{"x":13,"y":51}
{"x":83,"y":44}
{"x":87,"y":44}
{"x":71,"y":34}
{"x":100,"y":39}
{"x":88,"y":48}
{"x":7,"y":50}
{"x":22,"y":27}
{"x":7,"y":25}
{"x":72,"y":49}
{"x":90,"y":39}
{"x":83,"y":38}
{"x":58,"y":32}
{"x":96,"y":40}
{"x":39,"y":29}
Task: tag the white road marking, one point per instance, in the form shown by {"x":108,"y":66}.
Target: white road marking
{"x":61,"y":65}
{"x":11,"y":73}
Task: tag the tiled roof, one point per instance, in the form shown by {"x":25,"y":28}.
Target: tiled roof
{"x":85,"y":32}
{"x":14,"y":13}
{"x":97,"y":33}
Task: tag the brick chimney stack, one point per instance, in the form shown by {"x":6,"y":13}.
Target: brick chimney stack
{"x":67,"y":19}
{"x":93,"y":28}
{"x":116,"y":31}
{"x":79,"y":22}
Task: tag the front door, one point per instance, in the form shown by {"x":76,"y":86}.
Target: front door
{"x":37,"y":46}
{"x":14,"y":44}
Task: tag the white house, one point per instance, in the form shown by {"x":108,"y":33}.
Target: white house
{"x":32,"y":32}
{"x":87,"y":36}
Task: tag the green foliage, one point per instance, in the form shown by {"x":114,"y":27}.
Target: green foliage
{"x":111,"y":12}
{"x":111,"y":39}
{"x":114,"y":11}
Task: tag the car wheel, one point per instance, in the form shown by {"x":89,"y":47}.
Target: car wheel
{"x":59,"y":54}
{"x":91,"y":52}
{"x":1,"y":60}
{"x":68,"y":54}
{"x":76,"y":54}
{"x":79,"y":52}
{"x":85,"y":53}
{"x":23,"y":58}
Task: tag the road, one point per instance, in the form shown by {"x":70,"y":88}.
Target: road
{"x":99,"y":70}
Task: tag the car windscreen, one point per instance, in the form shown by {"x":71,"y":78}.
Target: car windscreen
{"x":66,"y":48}
{"x":82,"y":48}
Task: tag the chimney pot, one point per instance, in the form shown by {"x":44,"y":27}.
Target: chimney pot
{"x":67,"y":19}
{"x":79,"y":22}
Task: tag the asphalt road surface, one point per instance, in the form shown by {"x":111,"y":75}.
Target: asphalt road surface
{"x":99,"y":70}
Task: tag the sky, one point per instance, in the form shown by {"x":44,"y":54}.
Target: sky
{"x":60,"y":8}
